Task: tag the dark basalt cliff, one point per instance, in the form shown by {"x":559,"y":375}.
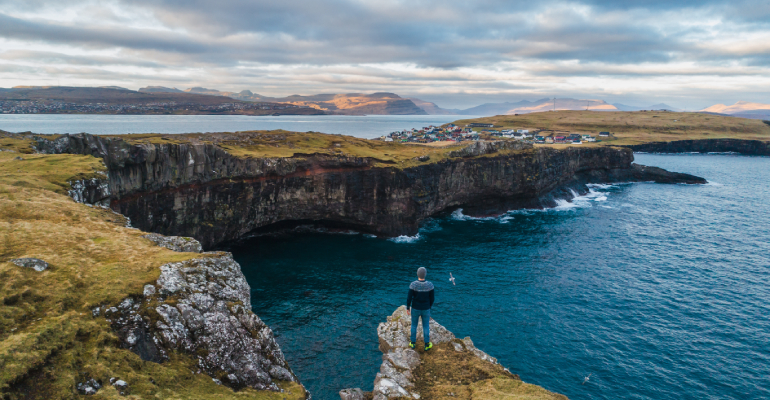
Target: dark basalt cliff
{"x":201,"y":190}
{"x":746,"y":147}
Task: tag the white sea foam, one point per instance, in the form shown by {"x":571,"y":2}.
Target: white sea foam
{"x":603,"y":186}
{"x":710,"y":183}
{"x":562,"y":204}
{"x":458,"y":215}
{"x":405,"y":239}
{"x":370,"y":236}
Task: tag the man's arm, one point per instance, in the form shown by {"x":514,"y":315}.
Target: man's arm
{"x":409,"y":299}
{"x":430,"y":294}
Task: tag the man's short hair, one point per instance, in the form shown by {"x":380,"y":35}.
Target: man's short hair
{"x":421,"y":272}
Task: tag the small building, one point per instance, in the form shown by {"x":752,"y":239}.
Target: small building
{"x":604,"y":134}
{"x":549,"y":139}
{"x":479,"y":125}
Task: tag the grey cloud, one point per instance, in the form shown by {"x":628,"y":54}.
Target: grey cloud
{"x":228,"y":40}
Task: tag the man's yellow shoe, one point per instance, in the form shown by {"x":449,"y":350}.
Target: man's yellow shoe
{"x":411,"y":345}
{"x":428,"y":346}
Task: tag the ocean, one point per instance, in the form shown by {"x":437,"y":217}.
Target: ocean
{"x":656,"y":291}
{"x":369,"y":126}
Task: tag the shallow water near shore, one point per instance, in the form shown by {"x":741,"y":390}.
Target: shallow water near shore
{"x":657,"y":291}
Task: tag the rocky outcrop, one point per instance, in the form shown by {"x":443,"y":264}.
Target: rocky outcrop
{"x":32,"y":263}
{"x":396,"y":377}
{"x":202,"y":307}
{"x":176,"y":243}
{"x":745,"y":147}
{"x":403,"y":370}
{"x":94,"y":191}
{"x":640,"y":173}
{"x":200,"y":190}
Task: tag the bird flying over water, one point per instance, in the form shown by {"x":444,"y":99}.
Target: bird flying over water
{"x":586,"y":378}
{"x":452,"y":279}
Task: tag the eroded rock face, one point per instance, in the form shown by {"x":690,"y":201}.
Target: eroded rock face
{"x":202,"y":307}
{"x":94,"y":191}
{"x":202,"y":191}
{"x":747,"y":147}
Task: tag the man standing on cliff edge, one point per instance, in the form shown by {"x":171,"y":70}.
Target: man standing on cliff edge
{"x":421,"y":299}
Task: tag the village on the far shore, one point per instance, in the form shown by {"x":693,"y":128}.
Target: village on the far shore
{"x":456,"y":134}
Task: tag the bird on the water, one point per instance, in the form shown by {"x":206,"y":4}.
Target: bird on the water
{"x":586,"y":378}
{"x":452,"y":279}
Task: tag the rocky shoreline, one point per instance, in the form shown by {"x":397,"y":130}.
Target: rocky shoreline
{"x":203,"y":191}
{"x":739,"y":146}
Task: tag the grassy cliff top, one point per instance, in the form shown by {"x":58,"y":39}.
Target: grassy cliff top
{"x":49,"y":340}
{"x":447,"y":374}
{"x":635,"y":127}
{"x":280,"y":143}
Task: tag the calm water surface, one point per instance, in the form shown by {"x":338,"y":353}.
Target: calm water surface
{"x":658,"y":291}
{"x":369,"y":126}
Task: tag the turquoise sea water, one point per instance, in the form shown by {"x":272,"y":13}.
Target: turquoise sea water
{"x":657,"y":291}
{"x":369,"y":126}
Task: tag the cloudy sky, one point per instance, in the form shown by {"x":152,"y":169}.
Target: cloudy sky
{"x":689,"y":54}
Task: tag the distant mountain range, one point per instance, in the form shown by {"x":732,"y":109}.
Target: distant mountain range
{"x":654,"y":107}
{"x":113,"y":99}
{"x":347,"y":104}
{"x":382,"y":103}
{"x":743,"y":109}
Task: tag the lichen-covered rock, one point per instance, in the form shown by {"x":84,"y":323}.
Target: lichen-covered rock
{"x":94,"y":191}
{"x":396,"y":377}
{"x":394,"y":334}
{"x":202,"y":307}
{"x":34,"y":263}
{"x":352,"y":394}
{"x":89,"y":387}
{"x":176,"y":243}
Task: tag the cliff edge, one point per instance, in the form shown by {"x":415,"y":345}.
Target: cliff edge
{"x":225,"y":186}
{"x":454,"y":368}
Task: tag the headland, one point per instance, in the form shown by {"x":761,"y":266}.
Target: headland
{"x":647,"y":131}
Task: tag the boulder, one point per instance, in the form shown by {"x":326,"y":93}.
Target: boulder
{"x":352,"y":394}
{"x":176,"y":243}
{"x":34,"y":263}
{"x":88,"y":387}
